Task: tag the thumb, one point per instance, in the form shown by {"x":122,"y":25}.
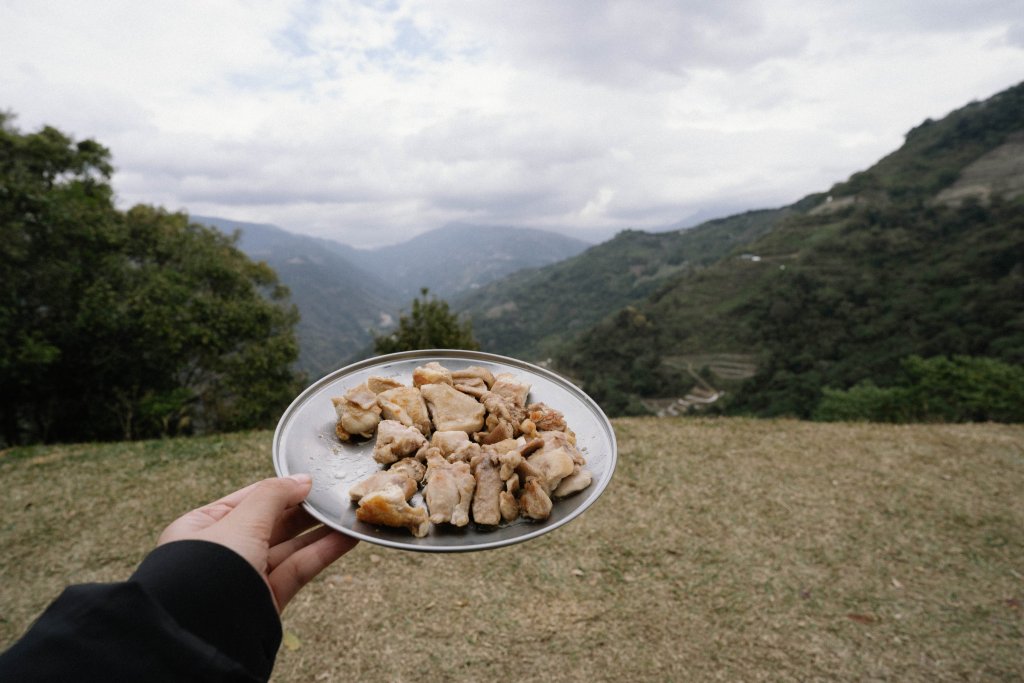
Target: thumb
{"x":268,"y":500}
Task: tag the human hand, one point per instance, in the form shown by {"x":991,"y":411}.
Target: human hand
{"x":265,"y":524}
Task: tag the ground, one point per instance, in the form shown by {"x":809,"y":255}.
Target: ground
{"x":722,"y":550}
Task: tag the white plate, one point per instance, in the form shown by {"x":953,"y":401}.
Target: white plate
{"x":305,"y":442}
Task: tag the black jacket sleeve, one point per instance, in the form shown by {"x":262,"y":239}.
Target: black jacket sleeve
{"x":192,"y":611}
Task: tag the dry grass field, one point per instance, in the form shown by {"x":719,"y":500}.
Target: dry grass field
{"x":731,"y":550}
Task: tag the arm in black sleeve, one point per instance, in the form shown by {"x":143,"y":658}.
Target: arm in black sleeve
{"x":193,"y":611}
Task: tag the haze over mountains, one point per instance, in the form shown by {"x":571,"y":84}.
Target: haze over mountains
{"x":923,"y":253}
{"x":345,"y":294}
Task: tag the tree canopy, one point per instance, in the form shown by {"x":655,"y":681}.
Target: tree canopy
{"x":939,"y":389}
{"x":430,"y":325}
{"x":126,"y":324}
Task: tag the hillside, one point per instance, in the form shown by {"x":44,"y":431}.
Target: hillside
{"x":339,"y":301}
{"x":882,"y":266}
{"x":762,"y":550}
{"x":534,"y":313}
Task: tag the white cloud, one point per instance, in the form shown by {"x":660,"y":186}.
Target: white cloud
{"x":370,"y":122}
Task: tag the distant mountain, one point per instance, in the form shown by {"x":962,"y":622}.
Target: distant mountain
{"x":923,"y":253}
{"x":459,"y":258}
{"x":345,"y":294}
{"x":339,"y":300}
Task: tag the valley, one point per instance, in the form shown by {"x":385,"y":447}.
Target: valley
{"x":757,"y":312}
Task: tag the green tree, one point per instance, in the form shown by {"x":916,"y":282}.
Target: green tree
{"x":430,"y":325}
{"x":125,"y":324}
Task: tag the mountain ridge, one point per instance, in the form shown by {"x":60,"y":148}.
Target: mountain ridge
{"x":875,"y":269}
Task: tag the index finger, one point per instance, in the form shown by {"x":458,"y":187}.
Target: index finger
{"x":230,"y":501}
{"x":264,"y":505}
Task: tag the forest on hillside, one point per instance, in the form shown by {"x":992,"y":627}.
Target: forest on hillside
{"x":126,"y":324}
{"x":844,"y":290}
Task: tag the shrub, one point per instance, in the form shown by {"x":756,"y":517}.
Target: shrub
{"x":939,"y":389}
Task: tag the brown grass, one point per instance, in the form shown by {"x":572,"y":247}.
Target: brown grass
{"x":723,"y":550}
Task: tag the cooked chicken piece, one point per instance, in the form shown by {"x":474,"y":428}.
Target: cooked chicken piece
{"x":508,"y":505}
{"x":504,"y":416}
{"x":358,"y":413}
{"x":505,"y":446}
{"x":504,"y":408}
{"x":489,"y":487}
{"x":474,"y":386}
{"x":465,"y":453}
{"x":449,"y":441}
{"x":529,"y":429}
{"x":449,"y":490}
{"x":474,"y":372}
{"x":452,"y":410}
{"x":411,"y":467}
{"x":425,"y":452}
{"x":405,"y":405}
{"x":506,"y":384}
{"x":527,"y":471}
{"x":565,"y":440}
{"x":545,"y":417}
{"x":380,"y":384}
{"x":396,"y":441}
{"x":431,"y":373}
{"x":527,"y":447}
{"x":500,"y":430}
{"x":382,"y":479}
{"x":574,"y":483}
{"x":508,"y":461}
{"x":389,"y":507}
{"x":553,"y":466}
{"x":534,"y":501}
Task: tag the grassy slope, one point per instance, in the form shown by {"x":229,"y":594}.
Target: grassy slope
{"x":756,"y":550}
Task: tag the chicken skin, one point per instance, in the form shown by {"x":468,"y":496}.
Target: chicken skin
{"x":545,"y":417}
{"x":473,"y":373}
{"x":380,"y":480}
{"x":379,"y":385}
{"x":358,"y":413}
{"x":431,"y":373}
{"x":388,"y":507}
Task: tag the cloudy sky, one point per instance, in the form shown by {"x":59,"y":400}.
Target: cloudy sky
{"x":370,"y":122}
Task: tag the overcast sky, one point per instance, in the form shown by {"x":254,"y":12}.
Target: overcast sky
{"x":370,"y":122}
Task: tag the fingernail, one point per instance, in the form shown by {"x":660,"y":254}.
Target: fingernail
{"x":301,"y":477}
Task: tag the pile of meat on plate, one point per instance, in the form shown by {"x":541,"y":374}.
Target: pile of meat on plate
{"x":479,"y":450}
